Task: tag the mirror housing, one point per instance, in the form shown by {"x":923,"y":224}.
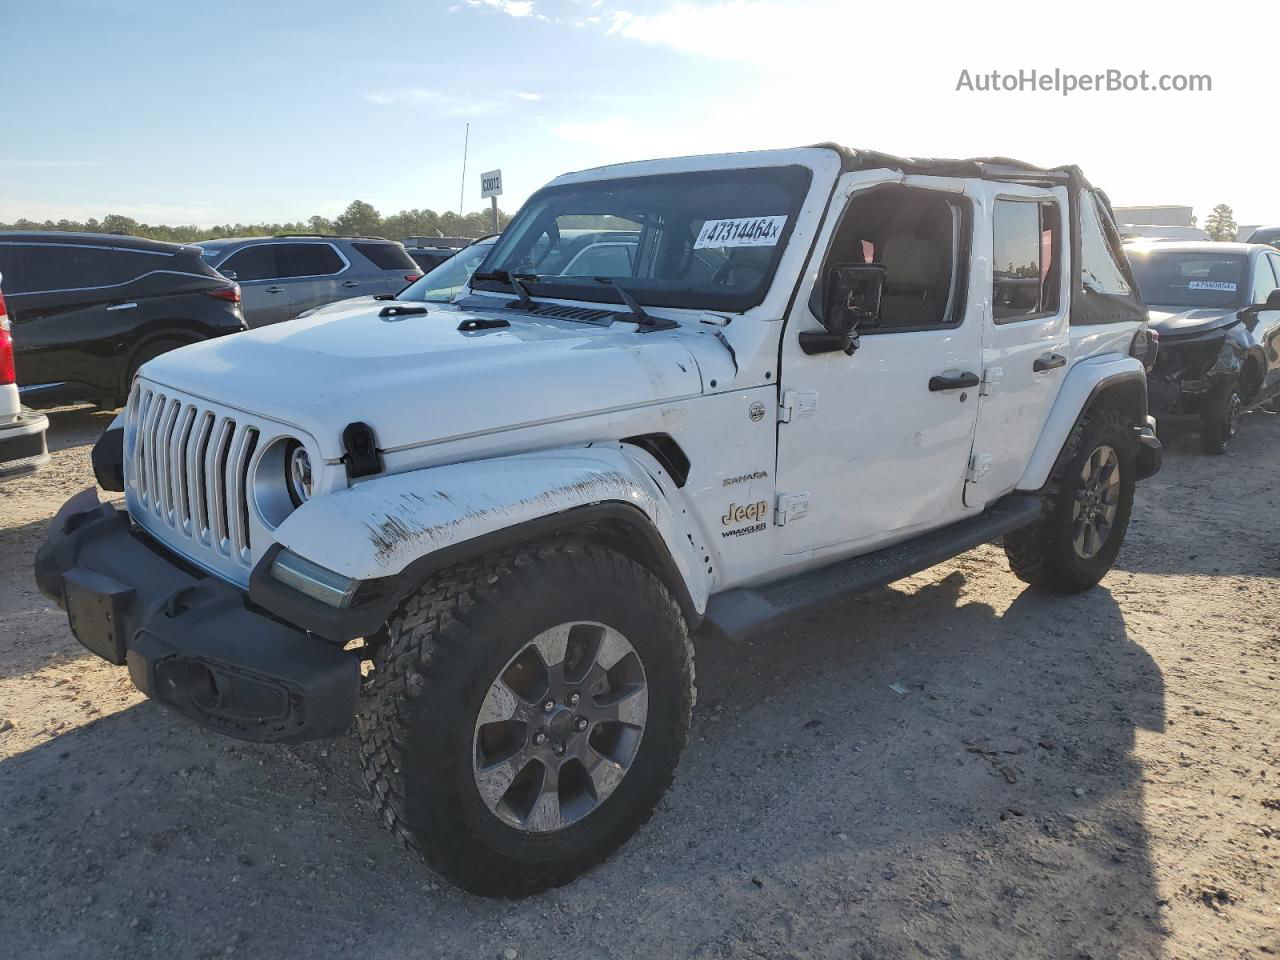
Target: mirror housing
{"x":1250,"y":313}
{"x":229,"y":274}
{"x":851,"y":298}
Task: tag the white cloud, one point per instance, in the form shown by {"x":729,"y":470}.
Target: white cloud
{"x":512,"y":8}
{"x":523,"y":95}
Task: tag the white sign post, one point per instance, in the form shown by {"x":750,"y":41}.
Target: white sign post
{"x":491,"y":187}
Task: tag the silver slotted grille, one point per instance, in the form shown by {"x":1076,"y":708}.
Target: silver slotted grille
{"x":189,"y":468}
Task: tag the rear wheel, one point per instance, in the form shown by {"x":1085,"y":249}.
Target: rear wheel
{"x":526,"y":713}
{"x":1086,"y":509}
{"x":1221,"y":416}
{"x":148,"y":351}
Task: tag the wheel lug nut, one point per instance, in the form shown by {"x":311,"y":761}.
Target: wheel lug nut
{"x":539,"y":738}
{"x":548,"y":706}
{"x":558,"y":749}
{"x":580,"y":724}
{"x":573,"y":699}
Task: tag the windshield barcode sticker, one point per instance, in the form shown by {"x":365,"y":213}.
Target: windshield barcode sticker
{"x":1212,"y":285}
{"x":742,"y":232}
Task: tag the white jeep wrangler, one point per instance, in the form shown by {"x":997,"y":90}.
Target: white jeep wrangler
{"x":699,"y":393}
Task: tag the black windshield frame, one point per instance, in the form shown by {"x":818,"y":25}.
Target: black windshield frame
{"x":794,"y":180}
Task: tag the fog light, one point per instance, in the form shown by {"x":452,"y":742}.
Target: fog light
{"x":313,"y":580}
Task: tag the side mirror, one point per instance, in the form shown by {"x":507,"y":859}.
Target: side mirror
{"x":1250,"y":313}
{"x":851,"y":299}
{"x":229,"y":274}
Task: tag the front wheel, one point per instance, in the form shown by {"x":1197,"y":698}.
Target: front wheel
{"x":1086,"y":509}
{"x":525,"y":714}
{"x":1221,"y":416}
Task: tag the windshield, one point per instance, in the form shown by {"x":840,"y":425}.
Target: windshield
{"x":1189,"y":279}
{"x":702,"y":240}
{"x":443,"y":283}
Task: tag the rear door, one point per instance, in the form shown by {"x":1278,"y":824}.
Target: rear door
{"x":259,"y":269}
{"x":1025,"y":350}
{"x":316,"y":273}
{"x":68,"y":311}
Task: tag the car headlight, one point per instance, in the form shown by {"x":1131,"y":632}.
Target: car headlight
{"x":297,"y":473}
{"x":319,"y":583}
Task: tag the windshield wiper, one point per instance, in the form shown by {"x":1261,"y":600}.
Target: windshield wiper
{"x":513,"y":281}
{"x":637,"y":312}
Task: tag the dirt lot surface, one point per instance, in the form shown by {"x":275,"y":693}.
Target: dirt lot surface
{"x":1092,"y":777}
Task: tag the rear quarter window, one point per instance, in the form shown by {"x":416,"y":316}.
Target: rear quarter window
{"x":386,"y":256}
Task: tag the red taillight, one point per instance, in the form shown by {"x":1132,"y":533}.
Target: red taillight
{"x":1146,"y":347}
{"x":411,"y":277}
{"x":7,"y":375}
{"x":230,"y":294}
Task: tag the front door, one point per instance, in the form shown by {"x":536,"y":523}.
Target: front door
{"x":878,"y":443}
{"x":259,"y":269}
{"x":1026,"y":349}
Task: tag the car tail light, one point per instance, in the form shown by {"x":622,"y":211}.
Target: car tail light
{"x":411,"y":277}
{"x":1145,"y":347}
{"x":230,"y":294}
{"x":7,"y":375}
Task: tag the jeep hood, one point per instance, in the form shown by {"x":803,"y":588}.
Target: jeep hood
{"x":1175,"y":322}
{"x":418,"y":379}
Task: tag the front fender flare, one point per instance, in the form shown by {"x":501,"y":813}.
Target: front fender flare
{"x":406,"y":525}
{"x":1084,"y":383}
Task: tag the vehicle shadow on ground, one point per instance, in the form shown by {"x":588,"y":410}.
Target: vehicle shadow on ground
{"x":1197,"y":500}
{"x":987,"y":805}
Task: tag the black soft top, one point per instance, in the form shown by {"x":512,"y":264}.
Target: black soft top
{"x":1088,"y":305}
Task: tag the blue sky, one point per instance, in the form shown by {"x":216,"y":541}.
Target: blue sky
{"x":178,"y":112}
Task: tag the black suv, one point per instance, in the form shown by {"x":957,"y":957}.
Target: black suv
{"x":89,"y":309}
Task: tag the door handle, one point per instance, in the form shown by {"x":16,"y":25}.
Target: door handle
{"x":953,"y":381}
{"x":274,"y":289}
{"x":1050,"y":361}
{"x":351,"y":283}
{"x":122,"y":306}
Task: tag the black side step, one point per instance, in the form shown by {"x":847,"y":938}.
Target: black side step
{"x":743,"y":611}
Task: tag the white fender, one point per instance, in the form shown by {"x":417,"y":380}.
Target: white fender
{"x":1080,"y":385}
{"x":378,"y":527}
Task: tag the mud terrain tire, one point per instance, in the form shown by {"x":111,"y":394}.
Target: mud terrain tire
{"x":1046,"y":554}
{"x":444,"y":653}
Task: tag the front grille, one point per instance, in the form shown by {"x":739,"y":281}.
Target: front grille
{"x":187,"y":470}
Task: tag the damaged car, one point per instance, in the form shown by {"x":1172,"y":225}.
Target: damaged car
{"x":1216,"y":310}
{"x":485,"y":530}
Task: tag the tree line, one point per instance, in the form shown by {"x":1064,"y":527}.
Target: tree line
{"x":359,"y":218}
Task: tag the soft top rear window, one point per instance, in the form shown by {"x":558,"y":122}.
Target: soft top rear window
{"x":707,"y":240}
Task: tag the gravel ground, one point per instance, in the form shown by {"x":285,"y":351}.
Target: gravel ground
{"x":1090,"y":777}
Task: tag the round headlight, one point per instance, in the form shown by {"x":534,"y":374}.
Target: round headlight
{"x":297,"y":473}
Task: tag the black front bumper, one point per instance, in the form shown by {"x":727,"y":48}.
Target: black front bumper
{"x":1149,"y":451}
{"x":191,"y":641}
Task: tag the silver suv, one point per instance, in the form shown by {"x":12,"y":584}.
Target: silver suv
{"x":281,"y":277}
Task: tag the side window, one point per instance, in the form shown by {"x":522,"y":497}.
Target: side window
{"x":915,"y":234}
{"x":1264,"y":281}
{"x":258,"y":262}
{"x":1275,"y":265}
{"x":386,"y":256}
{"x":1026,"y":259}
{"x":311,"y":260}
{"x":10,"y":275}
{"x":602,"y":260}
{"x":52,"y":266}
{"x":1099,"y":271}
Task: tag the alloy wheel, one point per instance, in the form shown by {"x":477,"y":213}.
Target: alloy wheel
{"x":560,"y":726}
{"x":1097,"y":500}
